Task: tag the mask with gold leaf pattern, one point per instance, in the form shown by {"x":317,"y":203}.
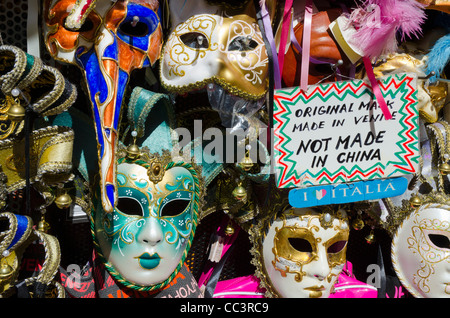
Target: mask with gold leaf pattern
{"x":144,"y":241}
{"x":302,"y":252}
{"x":214,"y":44}
{"x":421,"y":251}
{"x":146,"y":238}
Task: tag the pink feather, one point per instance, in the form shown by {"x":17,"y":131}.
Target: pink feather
{"x":378,"y":21}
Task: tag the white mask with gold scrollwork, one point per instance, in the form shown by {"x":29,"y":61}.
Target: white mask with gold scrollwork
{"x":303,"y":253}
{"x":421,"y":251}
{"x":213,"y":44}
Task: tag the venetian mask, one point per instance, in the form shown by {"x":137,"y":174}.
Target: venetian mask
{"x":303,"y":252}
{"x":430,"y":98}
{"x":214,"y":44}
{"x":421,"y":251}
{"x":144,"y":241}
{"x":107,"y":40}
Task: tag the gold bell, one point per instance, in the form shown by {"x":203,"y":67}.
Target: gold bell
{"x":63,"y":201}
{"x":246,"y":163}
{"x":415,"y":202}
{"x":133,"y":152}
{"x":16,"y":112}
{"x":370,"y":238}
{"x":358,"y":224}
{"x":239,"y":193}
{"x":229,"y":230}
{"x":43,"y":225}
{"x":444,"y":169}
{"x":6,"y":271}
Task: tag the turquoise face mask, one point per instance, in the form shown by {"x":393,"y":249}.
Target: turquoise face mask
{"x":144,"y":241}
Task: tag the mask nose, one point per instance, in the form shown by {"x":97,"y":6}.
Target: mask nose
{"x":151,"y":232}
{"x":320,"y":268}
{"x":106,"y":86}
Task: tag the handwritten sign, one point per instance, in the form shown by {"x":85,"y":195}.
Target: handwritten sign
{"x":336,"y":132}
{"x":347,"y":192}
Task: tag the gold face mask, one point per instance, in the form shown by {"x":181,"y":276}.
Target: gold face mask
{"x":431,"y":98}
{"x":301,"y":245}
{"x":303,"y":252}
{"x":211,"y":44}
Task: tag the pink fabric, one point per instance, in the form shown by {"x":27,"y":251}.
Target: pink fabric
{"x":306,"y":46}
{"x":240,"y":287}
{"x":347,"y":286}
{"x":228,"y":241}
{"x":376,"y":88}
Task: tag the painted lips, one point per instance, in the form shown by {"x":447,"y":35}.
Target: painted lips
{"x":148,"y":261}
{"x":315,"y":291}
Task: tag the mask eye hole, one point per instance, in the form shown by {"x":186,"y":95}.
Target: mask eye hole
{"x":87,"y":26}
{"x":195,"y":40}
{"x":336,"y":247}
{"x":134,"y":28}
{"x":174,"y":207}
{"x":130,"y":206}
{"x":242,"y":43}
{"x":439,"y":240}
{"x":300,"y":244}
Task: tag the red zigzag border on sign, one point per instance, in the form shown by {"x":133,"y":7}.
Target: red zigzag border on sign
{"x":319,"y":89}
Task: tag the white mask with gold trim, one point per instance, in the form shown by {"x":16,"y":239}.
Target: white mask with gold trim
{"x":214,"y":44}
{"x":304,"y":252}
{"x":421,"y":251}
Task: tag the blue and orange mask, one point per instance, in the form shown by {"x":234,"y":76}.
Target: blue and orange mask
{"x":107,"y":41}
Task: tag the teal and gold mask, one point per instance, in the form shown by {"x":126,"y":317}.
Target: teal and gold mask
{"x":145,"y":240}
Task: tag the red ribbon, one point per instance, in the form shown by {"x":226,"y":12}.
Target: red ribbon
{"x":376,"y":88}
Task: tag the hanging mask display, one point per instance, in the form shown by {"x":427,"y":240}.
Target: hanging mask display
{"x":439,"y":5}
{"x":378,"y":26}
{"x":299,"y":253}
{"x":107,"y":41}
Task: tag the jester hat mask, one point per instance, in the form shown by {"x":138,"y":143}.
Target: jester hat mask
{"x":107,"y":40}
{"x":144,"y":241}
